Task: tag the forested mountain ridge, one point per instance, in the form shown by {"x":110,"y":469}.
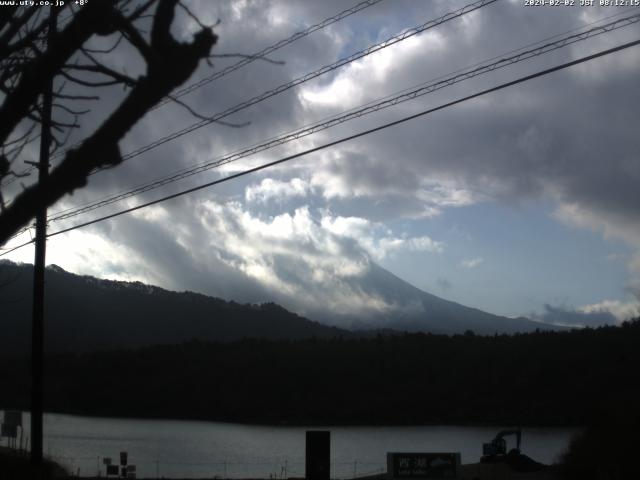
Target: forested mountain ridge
{"x":544,"y":378}
{"x":85,"y":313}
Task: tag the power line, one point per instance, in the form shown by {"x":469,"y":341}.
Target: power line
{"x":327,"y":68}
{"x":212,"y":164}
{"x":309,"y":76}
{"x":360,"y":54}
{"x":269,"y":50}
{"x":248,"y":59}
{"x":305,"y":78}
{"x":345,"y":139}
{"x":372,"y":107}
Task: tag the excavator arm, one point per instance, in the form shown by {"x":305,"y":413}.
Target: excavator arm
{"x":498,"y":446}
{"x":517,"y":432}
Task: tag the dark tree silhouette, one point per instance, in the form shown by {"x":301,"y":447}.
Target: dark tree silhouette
{"x":28,"y":62}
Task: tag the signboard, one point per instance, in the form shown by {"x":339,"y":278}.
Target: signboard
{"x":13,"y":417}
{"x":423,"y":465}
{"x":9,"y":430}
{"x":106,"y":461}
{"x":123,"y":458}
{"x":112,"y":470}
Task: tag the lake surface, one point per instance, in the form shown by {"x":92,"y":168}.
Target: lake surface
{"x":195,"y":449}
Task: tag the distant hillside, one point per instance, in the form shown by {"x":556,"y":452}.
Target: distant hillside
{"x":415,"y":310}
{"x":85,"y":313}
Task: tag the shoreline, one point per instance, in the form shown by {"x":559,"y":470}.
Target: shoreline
{"x":16,"y":464}
{"x":306,"y":423}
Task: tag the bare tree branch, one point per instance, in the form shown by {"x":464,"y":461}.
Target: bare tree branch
{"x":15,"y":25}
{"x":140,"y":11}
{"x":69,"y":110}
{"x":87,"y":83}
{"x":101,"y":69}
{"x":204,"y":117}
{"x":170,"y":63}
{"x":108,"y":49}
{"x":33,"y":78}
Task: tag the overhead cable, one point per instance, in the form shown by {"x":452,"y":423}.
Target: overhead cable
{"x":351,"y":115}
{"x":246,"y":60}
{"x":344,"y":139}
{"x":408,"y":33}
{"x":309,"y":76}
{"x":176,"y":175}
{"x":269,"y":50}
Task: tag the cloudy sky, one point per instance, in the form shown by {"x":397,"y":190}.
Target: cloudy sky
{"x":521,"y":202}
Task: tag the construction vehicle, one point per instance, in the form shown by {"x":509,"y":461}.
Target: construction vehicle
{"x":498,"y":446}
{"x":496,"y":452}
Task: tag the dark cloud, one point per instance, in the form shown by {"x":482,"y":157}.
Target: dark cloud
{"x":571,"y":137}
{"x":178,"y":256}
{"x":574,"y":135}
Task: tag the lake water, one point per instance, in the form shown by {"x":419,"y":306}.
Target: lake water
{"x":194,"y":449}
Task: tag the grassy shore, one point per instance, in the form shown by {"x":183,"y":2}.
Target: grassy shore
{"x":16,"y":465}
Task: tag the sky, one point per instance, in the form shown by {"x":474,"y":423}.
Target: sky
{"x":522,"y":202}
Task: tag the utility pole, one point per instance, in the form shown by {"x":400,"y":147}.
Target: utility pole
{"x":37,"y":324}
